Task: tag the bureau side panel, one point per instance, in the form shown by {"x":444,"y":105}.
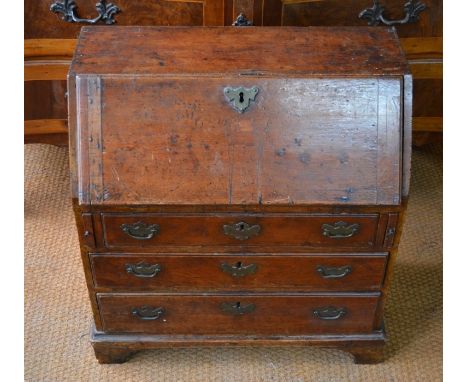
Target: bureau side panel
{"x":407,"y":133}
{"x":389,"y":133}
{"x":72,"y":116}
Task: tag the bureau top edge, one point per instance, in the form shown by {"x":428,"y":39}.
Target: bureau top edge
{"x":265,"y":51}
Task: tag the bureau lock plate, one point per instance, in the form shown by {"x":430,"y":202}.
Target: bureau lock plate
{"x":240,"y":98}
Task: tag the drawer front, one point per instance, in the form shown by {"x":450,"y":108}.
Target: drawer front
{"x":239,"y":272}
{"x":231,"y":314}
{"x":153,"y":230}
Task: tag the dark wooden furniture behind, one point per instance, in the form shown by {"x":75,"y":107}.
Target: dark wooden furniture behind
{"x":50,"y":38}
{"x":239,"y":186}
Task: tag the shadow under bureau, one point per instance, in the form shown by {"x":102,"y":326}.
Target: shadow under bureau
{"x":239,"y":186}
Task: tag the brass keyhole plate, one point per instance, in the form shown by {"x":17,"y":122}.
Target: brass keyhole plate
{"x":240,"y":98}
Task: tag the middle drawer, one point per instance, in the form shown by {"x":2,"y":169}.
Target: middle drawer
{"x":311,"y":272}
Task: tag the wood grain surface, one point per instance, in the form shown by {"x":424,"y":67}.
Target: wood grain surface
{"x":300,"y":142}
{"x":202,"y":314}
{"x":203,"y":230}
{"x":257,"y":51}
{"x":272,"y":272}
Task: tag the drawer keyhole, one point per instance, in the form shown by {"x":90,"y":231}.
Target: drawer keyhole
{"x":241,"y":230}
{"x":241,"y":97}
{"x":238,"y":269}
{"x":237,"y":308}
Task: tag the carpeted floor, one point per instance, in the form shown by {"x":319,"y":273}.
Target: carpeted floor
{"x":58,"y":315}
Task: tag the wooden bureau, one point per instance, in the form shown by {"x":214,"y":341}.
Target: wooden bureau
{"x":239,"y":186}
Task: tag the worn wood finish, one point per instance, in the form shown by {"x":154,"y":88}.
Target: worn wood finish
{"x":209,"y":51}
{"x":279,"y":230}
{"x":258,"y":208}
{"x":415,"y":48}
{"x":118,"y":348}
{"x":352,"y":272}
{"x":252,"y":150}
{"x":376,"y":226}
{"x":163,"y":168}
{"x":246,"y":159}
{"x":203,"y":314}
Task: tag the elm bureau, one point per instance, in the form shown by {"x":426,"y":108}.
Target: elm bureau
{"x":239,"y":186}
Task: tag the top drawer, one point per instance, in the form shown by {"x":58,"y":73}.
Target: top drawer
{"x":246,"y":230}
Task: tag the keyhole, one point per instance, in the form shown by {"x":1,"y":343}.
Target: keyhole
{"x":241,"y":97}
{"x":238,"y":305}
{"x":239,"y":265}
{"x":241,"y":226}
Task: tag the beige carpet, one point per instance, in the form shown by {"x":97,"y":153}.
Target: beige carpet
{"x":58,"y":315}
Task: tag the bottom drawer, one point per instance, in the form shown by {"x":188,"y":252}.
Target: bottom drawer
{"x":238,"y":314}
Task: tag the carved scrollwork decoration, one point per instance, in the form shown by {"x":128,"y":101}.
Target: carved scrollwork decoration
{"x":242,"y":21}
{"x":68,"y":9}
{"x":374,"y":15}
